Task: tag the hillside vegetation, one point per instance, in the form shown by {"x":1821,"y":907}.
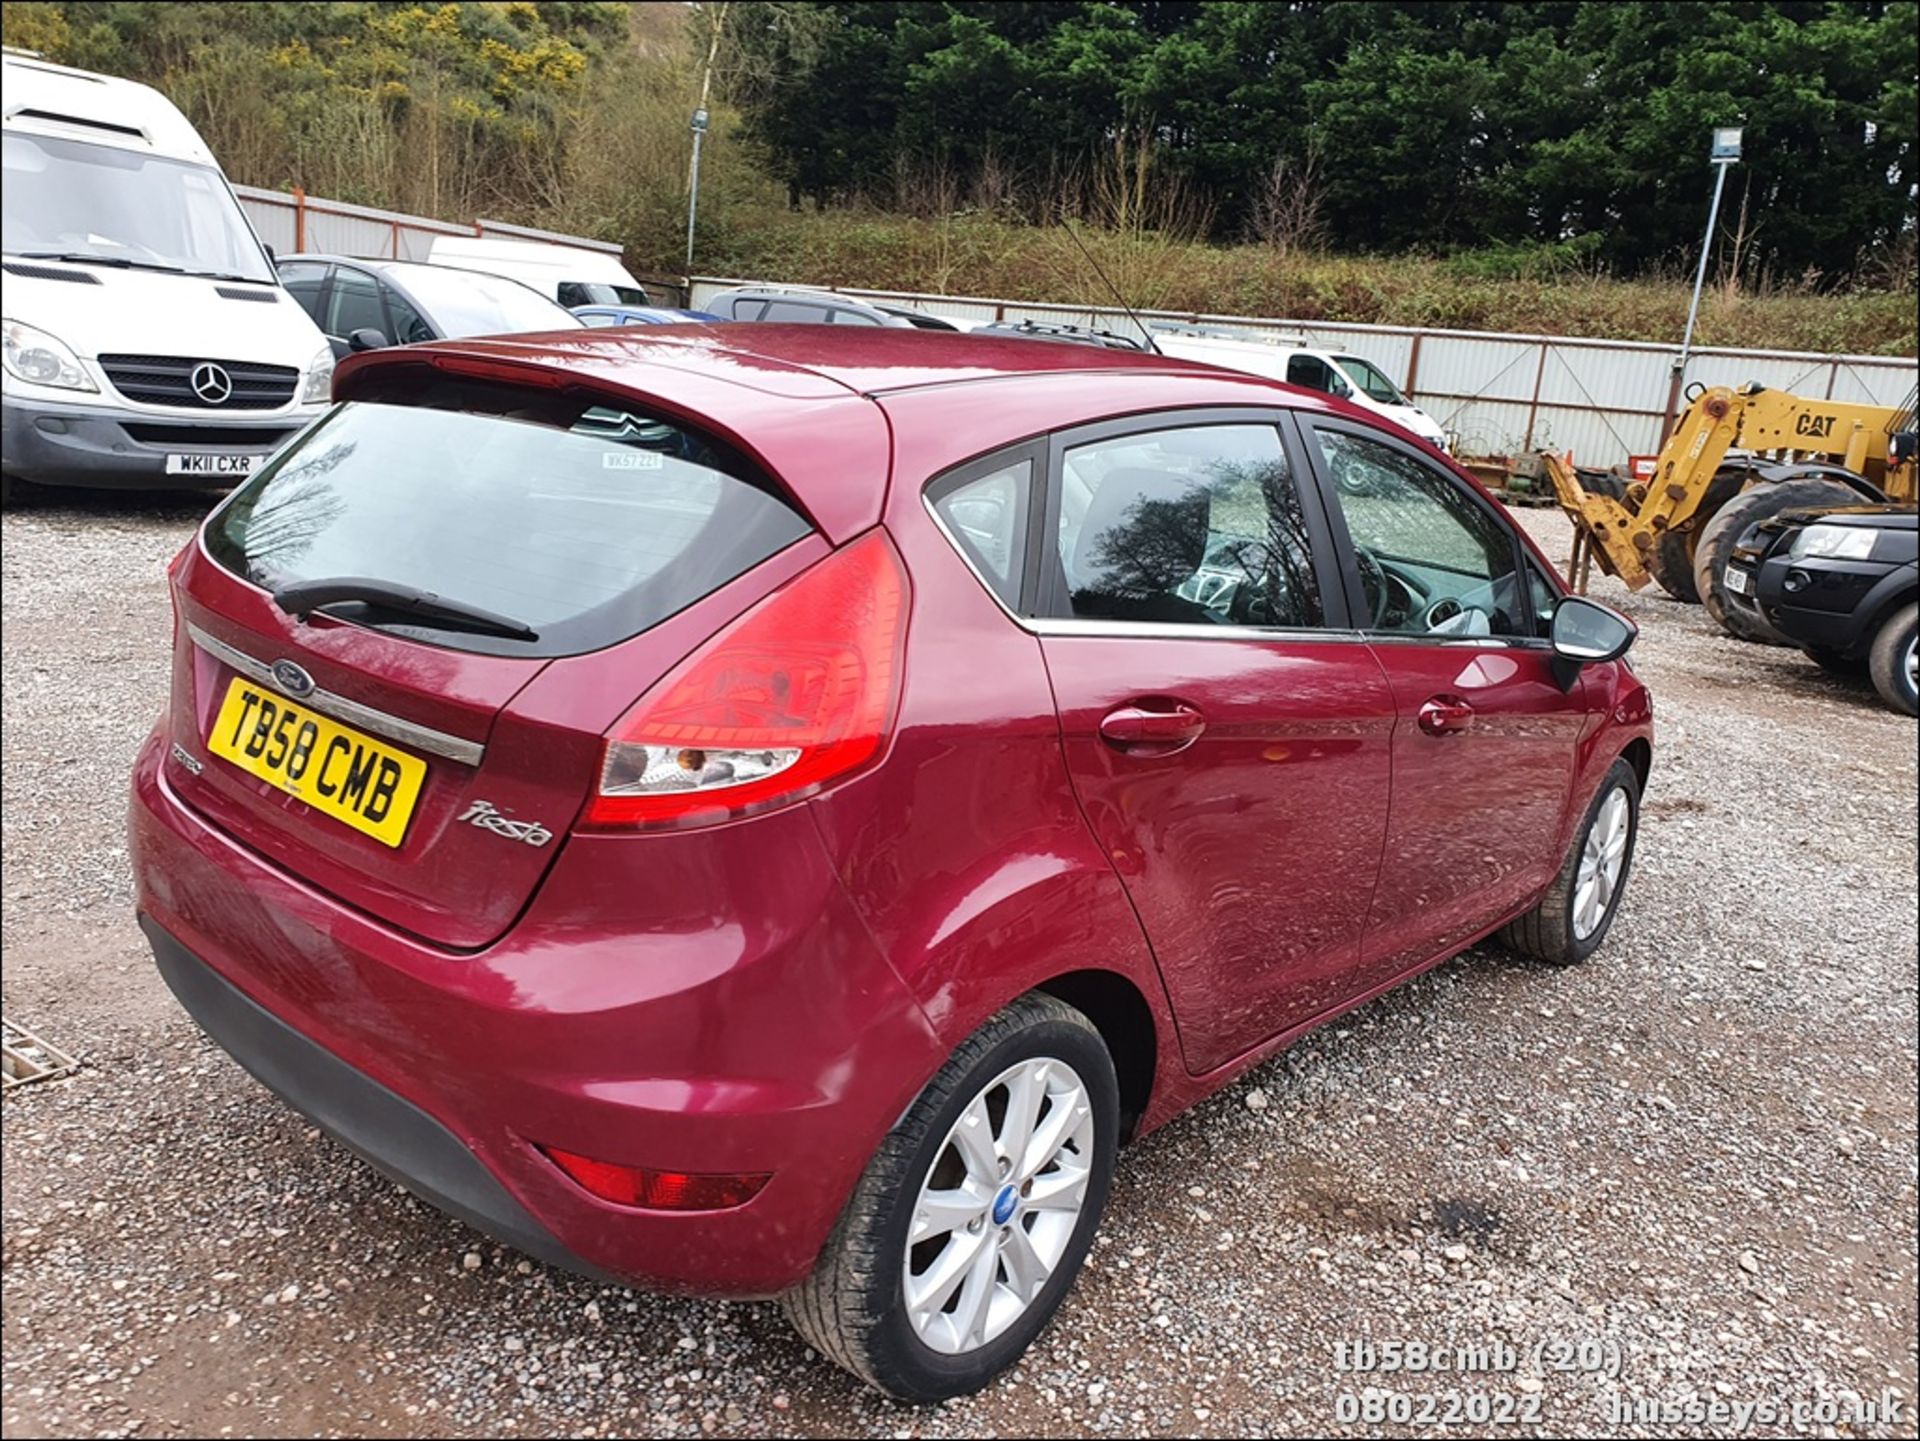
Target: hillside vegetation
{"x":1479,"y":290}
{"x":941,"y":146}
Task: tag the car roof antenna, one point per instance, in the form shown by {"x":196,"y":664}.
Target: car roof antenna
{"x":1107,"y":281}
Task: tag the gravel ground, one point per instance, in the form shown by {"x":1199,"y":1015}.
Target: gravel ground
{"x":1698,"y":1150}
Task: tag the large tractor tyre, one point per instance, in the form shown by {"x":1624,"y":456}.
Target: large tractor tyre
{"x":1670,"y":561}
{"x":1730,"y":522}
{"x":1603,"y":482}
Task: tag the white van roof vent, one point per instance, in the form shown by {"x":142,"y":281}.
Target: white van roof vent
{"x":47,"y":272}
{"x":81,"y":122}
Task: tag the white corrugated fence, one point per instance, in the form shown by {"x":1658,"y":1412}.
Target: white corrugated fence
{"x":1604,"y":400}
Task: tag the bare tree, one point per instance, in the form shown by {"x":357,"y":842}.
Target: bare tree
{"x":1288,"y":207}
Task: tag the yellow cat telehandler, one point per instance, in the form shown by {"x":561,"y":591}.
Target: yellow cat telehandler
{"x":1736,"y":458}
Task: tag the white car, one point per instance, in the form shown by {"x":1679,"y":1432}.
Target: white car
{"x":148,"y":341}
{"x":568,"y":275}
{"x":1336,"y":372}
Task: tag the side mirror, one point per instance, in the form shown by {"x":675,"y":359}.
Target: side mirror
{"x":1586,"y":632}
{"x":367,"y":339}
{"x":272,"y":259}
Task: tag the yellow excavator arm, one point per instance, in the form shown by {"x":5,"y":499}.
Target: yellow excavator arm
{"x":1626,"y":535}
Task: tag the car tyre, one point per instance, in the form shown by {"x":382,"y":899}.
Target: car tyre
{"x":1562,"y":930}
{"x":1892,"y":659}
{"x":855,"y":1308}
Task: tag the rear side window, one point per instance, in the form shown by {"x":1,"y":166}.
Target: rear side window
{"x":986,"y":517}
{"x":587,"y":527}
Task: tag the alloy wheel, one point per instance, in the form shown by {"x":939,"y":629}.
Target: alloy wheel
{"x":999,"y":1205}
{"x":1602,"y":857}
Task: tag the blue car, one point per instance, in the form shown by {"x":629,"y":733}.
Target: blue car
{"x":604,"y":315}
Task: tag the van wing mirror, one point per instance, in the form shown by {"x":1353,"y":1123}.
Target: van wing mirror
{"x":367,"y":338}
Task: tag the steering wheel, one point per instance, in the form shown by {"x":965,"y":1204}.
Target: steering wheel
{"x":1373,"y":583}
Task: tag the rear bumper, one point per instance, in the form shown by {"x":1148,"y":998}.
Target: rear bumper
{"x":100,"y":445}
{"x":689,"y":1015}
{"x":383,"y":1128}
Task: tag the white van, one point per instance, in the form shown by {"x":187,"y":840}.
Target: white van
{"x":148,"y":341}
{"x":566,"y":274}
{"x":1336,"y":372}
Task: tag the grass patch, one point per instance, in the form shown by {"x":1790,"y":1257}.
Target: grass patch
{"x":1545,"y":290}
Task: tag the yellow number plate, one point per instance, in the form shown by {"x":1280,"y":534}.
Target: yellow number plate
{"x":333,"y":768}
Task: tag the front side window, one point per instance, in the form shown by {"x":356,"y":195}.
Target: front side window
{"x":76,"y":200}
{"x":408,"y":326}
{"x":1432,"y":561}
{"x":1370,"y":378}
{"x":354,"y":304}
{"x":1199,"y":525}
{"x":304,"y":281}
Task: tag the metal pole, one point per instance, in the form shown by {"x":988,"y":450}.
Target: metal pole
{"x":693,"y":195}
{"x":1700,"y":275}
{"x":699,"y":130}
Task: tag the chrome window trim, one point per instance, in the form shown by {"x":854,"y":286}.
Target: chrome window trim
{"x":340,"y":708}
{"x":1094,"y":628}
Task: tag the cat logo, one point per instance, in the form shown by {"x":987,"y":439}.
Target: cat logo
{"x":1807,"y":423}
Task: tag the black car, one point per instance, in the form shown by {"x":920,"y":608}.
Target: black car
{"x":367,"y":304}
{"x":1842,"y":585}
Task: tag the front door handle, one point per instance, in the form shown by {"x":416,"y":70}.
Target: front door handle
{"x":1165,"y":725}
{"x":1446,"y":715}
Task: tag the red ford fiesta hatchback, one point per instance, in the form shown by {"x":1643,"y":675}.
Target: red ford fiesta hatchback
{"x":768,"y":811}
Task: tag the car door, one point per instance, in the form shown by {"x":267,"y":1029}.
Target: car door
{"x":1227,"y":737}
{"x":1484,"y":743}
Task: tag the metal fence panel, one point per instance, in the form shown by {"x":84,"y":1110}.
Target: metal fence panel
{"x":1604,"y":400}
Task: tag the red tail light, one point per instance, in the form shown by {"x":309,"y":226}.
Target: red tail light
{"x":799,"y":691}
{"x":655,"y":1190}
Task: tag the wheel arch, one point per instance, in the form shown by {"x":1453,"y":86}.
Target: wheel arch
{"x":1880,"y":603}
{"x":1638,"y":753}
{"x":1120,"y":1012}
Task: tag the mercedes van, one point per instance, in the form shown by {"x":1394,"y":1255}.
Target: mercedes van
{"x":1332,"y":372}
{"x":148,"y":341}
{"x":568,"y":275}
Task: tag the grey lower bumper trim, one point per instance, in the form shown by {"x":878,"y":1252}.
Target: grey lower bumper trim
{"x":386,"y":1130}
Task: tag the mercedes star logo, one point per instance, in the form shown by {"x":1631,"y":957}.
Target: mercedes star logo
{"x":292,"y":679}
{"x":211,"y":383}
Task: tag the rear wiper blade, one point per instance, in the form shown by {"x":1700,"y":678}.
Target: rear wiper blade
{"x":304,"y":597}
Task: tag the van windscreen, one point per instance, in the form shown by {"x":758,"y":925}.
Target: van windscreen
{"x":73,"y":200}
{"x":583,"y":532}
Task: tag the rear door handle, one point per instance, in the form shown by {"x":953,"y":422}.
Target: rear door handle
{"x":1170,"y":724}
{"x":1445,"y":715}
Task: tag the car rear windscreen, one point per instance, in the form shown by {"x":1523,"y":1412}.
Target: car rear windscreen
{"x":585,"y":529}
